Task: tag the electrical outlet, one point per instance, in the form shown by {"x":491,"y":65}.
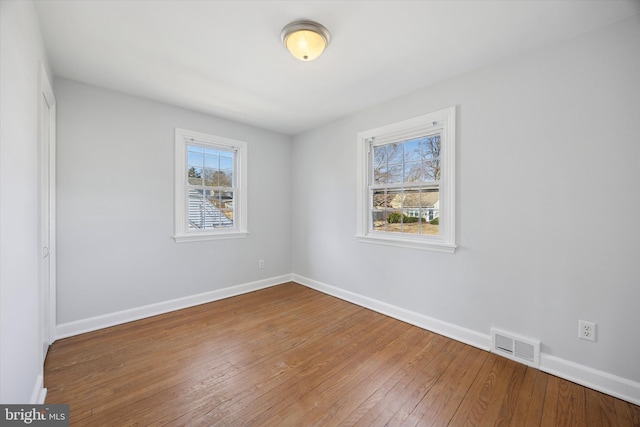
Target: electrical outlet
{"x":586,"y":330}
{"x":261,"y":263}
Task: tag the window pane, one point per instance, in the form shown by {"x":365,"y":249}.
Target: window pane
{"x":409,"y":216}
{"x":394,"y":174}
{"x":394,"y":198}
{"x":411,"y":221}
{"x":211,"y":177}
{"x":195,"y":149}
{"x":195,"y":204}
{"x":225,"y":178}
{"x":379,"y":156}
{"x":211,"y":161}
{"x":227,"y":218}
{"x":194,"y":175}
{"x":213,"y":197}
{"x":212,"y":151}
{"x":432,"y":146}
{"x":412,"y":150}
{"x":411,"y":200}
{"x":194,"y":159}
{"x":431,"y":170}
{"x":221,"y":208}
{"x":431,"y":158}
{"x":394,"y":220}
{"x":381,"y":202}
{"x":389,"y":217}
{"x":379,"y":220}
{"x":430,"y":211}
{"x":380,"y":175}
{"x":394,"y":153}
{"x":226,"y":161}
{"x":413,"y":171}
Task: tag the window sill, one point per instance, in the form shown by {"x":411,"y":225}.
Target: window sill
{"x":186,"y":238}
{"x":408,"y":243}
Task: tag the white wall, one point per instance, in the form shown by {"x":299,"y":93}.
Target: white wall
{"x":548,"y":196}
{"x":115,"y":157}
{"x":21,"y":56}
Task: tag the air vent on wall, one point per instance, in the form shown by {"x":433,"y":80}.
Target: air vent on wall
{"x":523,"y":350}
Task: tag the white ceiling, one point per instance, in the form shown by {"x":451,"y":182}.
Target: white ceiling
{"x":225,"y":57}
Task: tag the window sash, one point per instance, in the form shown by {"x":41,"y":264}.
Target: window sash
{"x":402,"y":135}
{"x":424,"y":213}
{"x":208,"y":217}
{"x":423,"y":162}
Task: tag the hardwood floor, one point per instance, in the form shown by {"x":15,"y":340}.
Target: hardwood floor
{"x":292,"y":356}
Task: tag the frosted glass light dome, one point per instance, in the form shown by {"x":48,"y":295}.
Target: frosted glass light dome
{"x":306,"y":40}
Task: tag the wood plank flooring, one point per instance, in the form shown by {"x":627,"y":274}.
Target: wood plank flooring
{"x":292,"y":356}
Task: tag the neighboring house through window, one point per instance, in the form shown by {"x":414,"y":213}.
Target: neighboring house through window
{"x":406,"y":188}
{"x":210,"y":187}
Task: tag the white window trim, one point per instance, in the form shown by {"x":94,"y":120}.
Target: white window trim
{"x":446,"y":241}
{"x":181,"y":234}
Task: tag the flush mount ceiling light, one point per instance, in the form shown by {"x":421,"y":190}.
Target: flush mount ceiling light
{"x":305,"y":39}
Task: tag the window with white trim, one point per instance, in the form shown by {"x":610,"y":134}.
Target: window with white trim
{"x":406,"y":183}
{"x":210,"y":187}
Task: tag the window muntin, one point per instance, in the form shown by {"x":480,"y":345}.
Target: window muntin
{"x":210,"y":187}
{"x":406,"y":189}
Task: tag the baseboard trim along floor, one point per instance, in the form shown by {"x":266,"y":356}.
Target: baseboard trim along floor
{"x":112,"y":319}
{"x":604,"y":382}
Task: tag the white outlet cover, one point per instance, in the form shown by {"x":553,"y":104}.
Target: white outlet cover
{"x":587,"y":330}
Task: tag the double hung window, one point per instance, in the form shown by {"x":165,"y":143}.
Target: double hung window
{"x":210,"y":187}
{"x":406,"y":183}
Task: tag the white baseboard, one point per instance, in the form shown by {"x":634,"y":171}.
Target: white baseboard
{"x":604,"y":382}
{"x":104,"y":321}
{"x":39,"y":393}
{"x":450,"y":330}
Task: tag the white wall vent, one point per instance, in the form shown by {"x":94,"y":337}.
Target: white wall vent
{"x":523,"y":350}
